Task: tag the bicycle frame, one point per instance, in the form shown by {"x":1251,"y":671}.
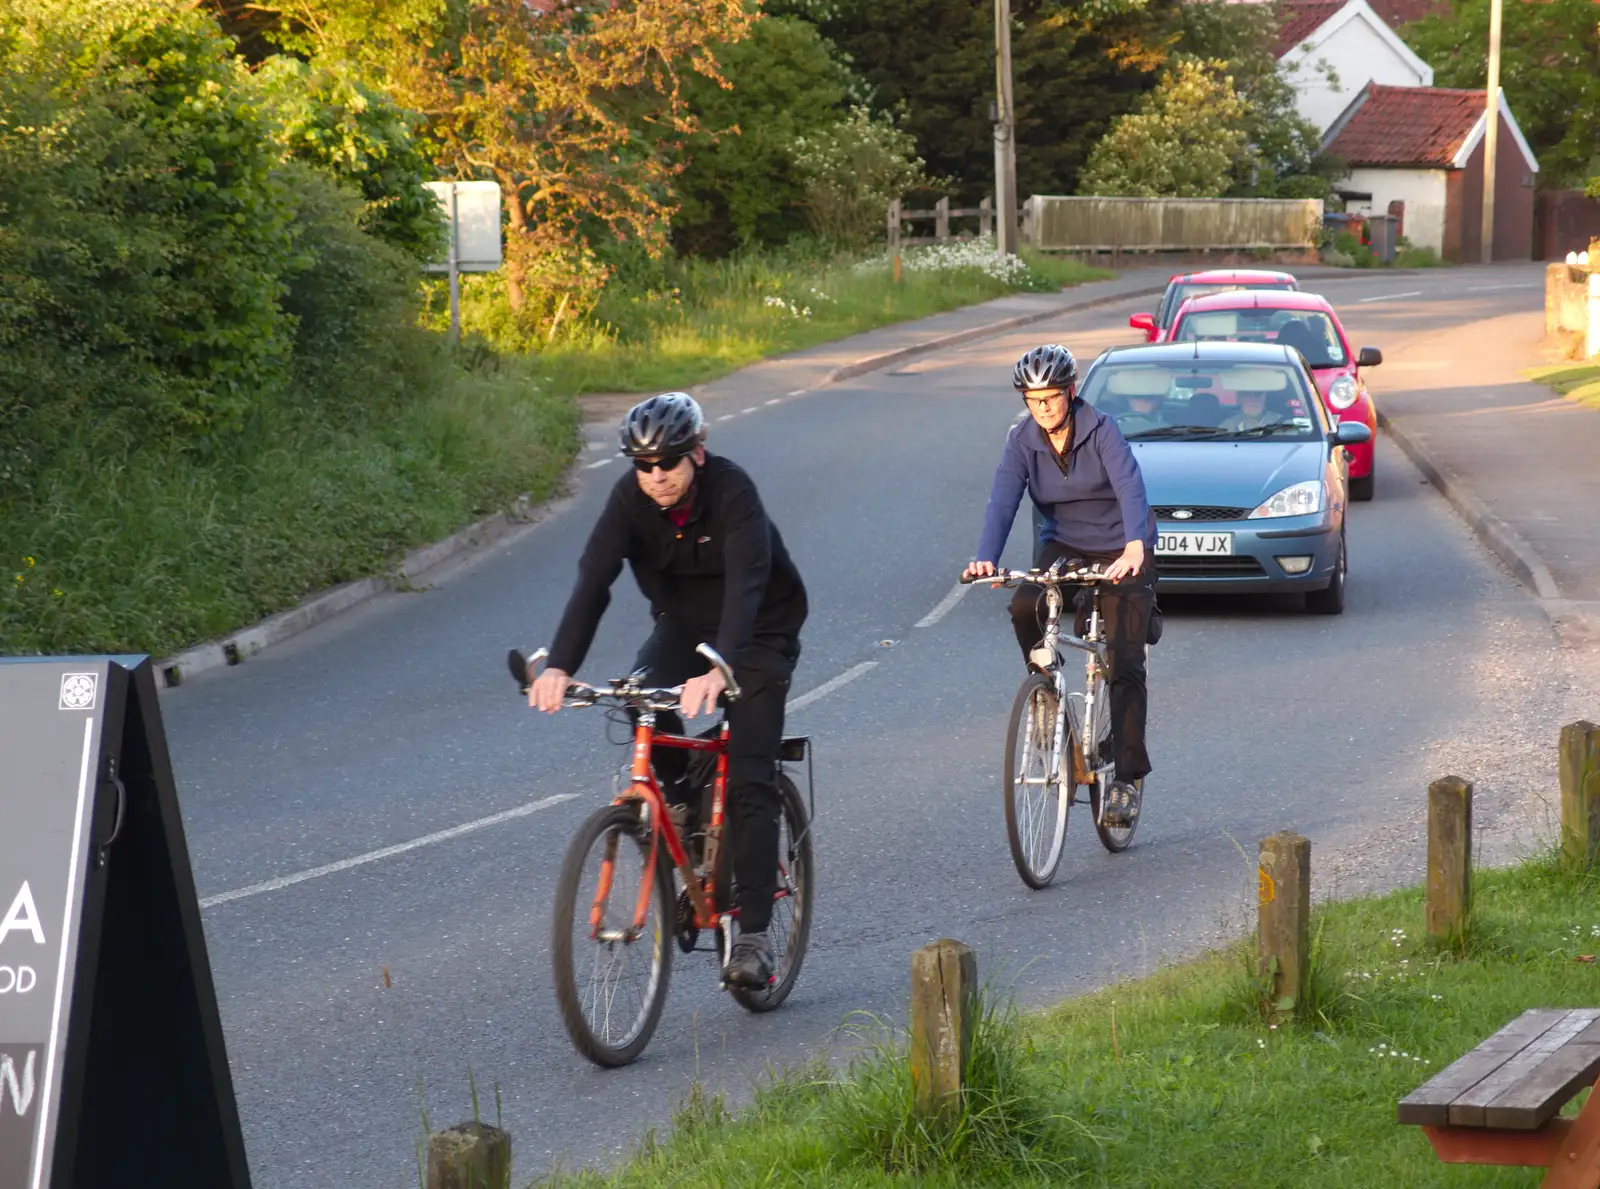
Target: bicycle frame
{"x":1095,"y":667}
{"x":643,"y":787}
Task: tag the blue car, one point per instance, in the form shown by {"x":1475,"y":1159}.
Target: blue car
{"x":1248,"y":475}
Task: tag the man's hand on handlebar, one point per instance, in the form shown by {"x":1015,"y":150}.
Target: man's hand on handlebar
{"x":978,"y":569}
{"x":701,"y":693}
{"x":549,"y":690}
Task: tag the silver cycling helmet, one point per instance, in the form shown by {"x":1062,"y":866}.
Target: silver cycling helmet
{"x":1049,"y":366}
{"x":668,"y":425}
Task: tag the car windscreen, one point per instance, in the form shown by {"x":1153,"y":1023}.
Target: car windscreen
{"x":1307,"y":331}
{"x":1205,"y":400}
{"x":1179,"y":293}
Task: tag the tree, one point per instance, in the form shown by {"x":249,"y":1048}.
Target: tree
{"x":852,"y":171}
{"x":1549,"y":67}
{"x":576,"y":110}
{"x":1183,"y":142}
{"x":739,"y":185}
{"x":1076,"y":67}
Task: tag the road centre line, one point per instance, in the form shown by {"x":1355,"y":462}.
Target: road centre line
{"x":827,"y":687}
{"x":1389,"y":296}
{"x":1487,"y":288}
{"x":726,"y":417}
{"x":603,"y":462}
{"x":751,"y":409}
{"x":388,"y":852}
{"x":797,"y":392}
{"x":946,"y":605}
{"x":777,"y":400}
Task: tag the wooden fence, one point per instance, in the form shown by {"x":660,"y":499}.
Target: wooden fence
{"x":1054,"y":223}
{"x":941,"y":213}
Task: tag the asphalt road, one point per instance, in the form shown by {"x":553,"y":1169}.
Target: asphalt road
{"x":355,"y":998}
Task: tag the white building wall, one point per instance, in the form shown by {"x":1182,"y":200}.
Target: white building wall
{"x":1422,"y":190}
{"x":1358,"y":54}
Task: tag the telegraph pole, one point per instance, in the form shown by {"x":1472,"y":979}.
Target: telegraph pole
{"x":1005,"y":140}
{"x":1491,"y":131}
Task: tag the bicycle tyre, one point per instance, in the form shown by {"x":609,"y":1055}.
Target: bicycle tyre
{"x":1036,"y":870}
{"x":624,"y":823}
{"x":787,"y":957}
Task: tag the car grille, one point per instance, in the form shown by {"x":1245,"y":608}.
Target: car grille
{"x":1166,"y":513}
{"x":1208,"y":567}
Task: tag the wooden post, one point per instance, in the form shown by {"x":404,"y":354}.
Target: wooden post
{"x":1449,"y":857}
{"x":1491,"y":130}
{"x":1005,"y":135}
{"x":894,"y":239}
{"x":985,"y":216}
{"x":941,"y":218}
{"x":944,"y":1009}
{"x":1580,"y":795}
{"x":469,"y":1156}
{"x":1284,"y":920}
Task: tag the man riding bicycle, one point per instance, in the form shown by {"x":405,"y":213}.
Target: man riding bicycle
{"x":692,"y":527}
{"x":1083,"y":478}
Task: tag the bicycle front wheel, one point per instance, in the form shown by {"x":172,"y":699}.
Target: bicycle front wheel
{"x":1036,"y":799}
{"x":612,"y":944}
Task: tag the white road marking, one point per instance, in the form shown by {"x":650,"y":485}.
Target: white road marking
{"x":603,"y":462}
{"x":1390,"y":296}
{"x":388,"y":852}
{"x":777,"y":400}
{"x":751,"y":409}
{"x":726,"y":417}
{"x":946,"y":605}
{"x":827,"y":687}
{"x":1487,"y":288}
{"x":798,"y":392}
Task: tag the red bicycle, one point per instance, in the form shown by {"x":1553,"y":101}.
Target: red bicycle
{"x":631,"y":885}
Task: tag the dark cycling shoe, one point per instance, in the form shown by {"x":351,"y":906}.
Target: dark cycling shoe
{"x":1122,"y":804}
{"x":750,"y":965}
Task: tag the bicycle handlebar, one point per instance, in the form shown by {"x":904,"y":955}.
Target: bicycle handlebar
{"x":623,"y":691}
{"x":1082,"y":576}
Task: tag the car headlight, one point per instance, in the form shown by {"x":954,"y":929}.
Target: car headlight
{"x":1303,"y":499}
{"x":1342,"y":393}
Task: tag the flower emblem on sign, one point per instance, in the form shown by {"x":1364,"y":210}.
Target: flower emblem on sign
{"x":78,"y":690}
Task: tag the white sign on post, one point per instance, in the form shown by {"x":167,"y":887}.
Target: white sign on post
{"x":472,"y":215}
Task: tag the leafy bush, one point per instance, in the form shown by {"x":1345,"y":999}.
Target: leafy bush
{"x":852,"y":171}
{"x":327,"y":118}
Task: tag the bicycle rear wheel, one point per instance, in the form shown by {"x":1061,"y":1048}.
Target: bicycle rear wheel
{"x":791,"y":909}
{"x":1036,"y":799}
{"x":611,"y":979}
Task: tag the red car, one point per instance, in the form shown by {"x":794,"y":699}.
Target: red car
{"x":1306,"y":322}
{"x":1195,"y":284}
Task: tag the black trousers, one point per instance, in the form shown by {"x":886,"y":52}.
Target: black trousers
{"x":1127,"y":608}
{"x":755,"y":729}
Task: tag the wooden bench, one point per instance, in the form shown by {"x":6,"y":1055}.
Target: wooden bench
{"x":1500,"y":1103}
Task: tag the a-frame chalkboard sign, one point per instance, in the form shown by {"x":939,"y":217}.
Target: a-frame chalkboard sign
{"x":112,"y":1067}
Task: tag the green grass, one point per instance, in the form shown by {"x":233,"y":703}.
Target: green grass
{"x":1176,"y":1080}
{"x":1580,"y":381}
{"x":152,"y":551}
{"x":703,"y":319}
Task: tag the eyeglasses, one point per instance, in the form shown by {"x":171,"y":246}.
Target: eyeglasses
{"x":1043,"y":398}
{"x":645,"y":465}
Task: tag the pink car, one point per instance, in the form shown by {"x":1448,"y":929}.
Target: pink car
{"x":1157,"y":327}
{"x":1306,"y":322}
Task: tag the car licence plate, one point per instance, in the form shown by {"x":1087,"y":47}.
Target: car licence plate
{"x":1195,"y":544}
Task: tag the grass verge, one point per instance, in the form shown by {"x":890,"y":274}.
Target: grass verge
{"x":1579,"y":382}
{"x":1175,"y":1080}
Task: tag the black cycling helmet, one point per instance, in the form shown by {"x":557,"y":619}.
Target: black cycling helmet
{"x":1049,"y":366}
{"x":668,"y":425}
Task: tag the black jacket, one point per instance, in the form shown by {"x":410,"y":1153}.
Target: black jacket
{"x":684,"y":572}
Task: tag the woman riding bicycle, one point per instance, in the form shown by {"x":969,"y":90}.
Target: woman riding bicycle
{"x":1081,"y":474}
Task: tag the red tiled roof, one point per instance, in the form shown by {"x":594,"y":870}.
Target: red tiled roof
{"x":1406,"y":126}
{"x":1402,"y":12}
{"x":1302,"y":18}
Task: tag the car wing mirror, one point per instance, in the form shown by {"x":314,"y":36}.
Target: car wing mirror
{"x":1350,"y":433}
{"x":1369,"y":357}
{"x":1144,"y":322}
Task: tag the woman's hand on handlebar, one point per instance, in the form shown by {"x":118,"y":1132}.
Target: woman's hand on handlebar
{"x":549,"y":690}
{"x":978,"y":569}
{"x":1129,"y":564}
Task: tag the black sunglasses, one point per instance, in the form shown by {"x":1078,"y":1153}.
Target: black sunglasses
{"x":644,"y":465}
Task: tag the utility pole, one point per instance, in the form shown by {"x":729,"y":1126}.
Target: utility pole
{"x":1491,"y":131}
{"x":1005,"y":139}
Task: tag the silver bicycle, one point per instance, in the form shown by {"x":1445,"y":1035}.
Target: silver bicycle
{"x":1059,"y":738}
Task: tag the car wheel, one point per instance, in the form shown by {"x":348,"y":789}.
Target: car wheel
{"x":1330,"y":599}
{"x":1362,"y":488}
